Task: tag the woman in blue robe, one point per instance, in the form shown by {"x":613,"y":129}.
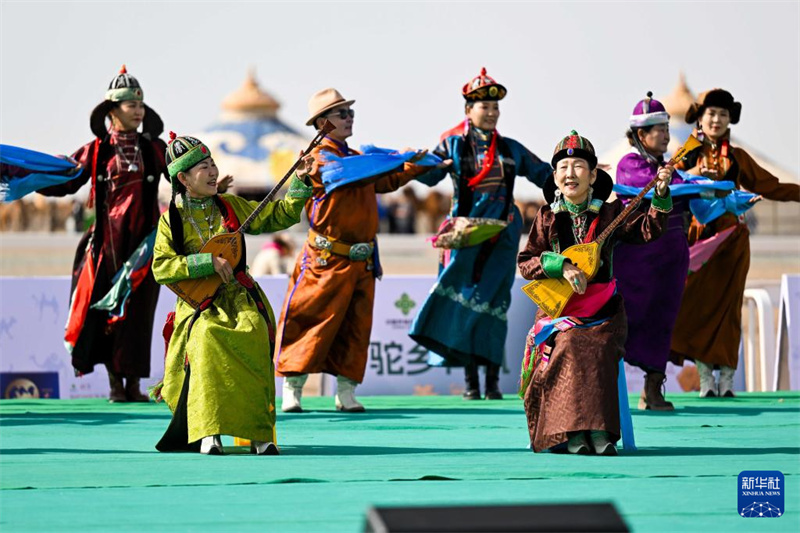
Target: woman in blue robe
{"x":463,"y":321}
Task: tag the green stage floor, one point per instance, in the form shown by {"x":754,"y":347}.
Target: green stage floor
{"x":85,"y":465}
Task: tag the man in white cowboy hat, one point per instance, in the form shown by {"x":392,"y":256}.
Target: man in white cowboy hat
{"x":326,"y":319}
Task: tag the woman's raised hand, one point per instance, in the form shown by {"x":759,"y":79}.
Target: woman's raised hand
{"x":664,"y":177}
{"x":308,"y":165}
{"x":224,"y":184}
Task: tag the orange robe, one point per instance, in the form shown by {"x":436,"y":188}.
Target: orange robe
{"x":709,"y":324}
{"x":326,"y":318}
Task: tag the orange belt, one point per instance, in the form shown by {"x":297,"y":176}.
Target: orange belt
{"x":361,"y":251}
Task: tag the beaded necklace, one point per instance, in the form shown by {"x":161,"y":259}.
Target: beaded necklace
{"x":201,"y":203}
{"x":578,"y":214}
{"x":126,"y":145}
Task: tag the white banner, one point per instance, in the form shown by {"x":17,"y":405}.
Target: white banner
{"x":396,"y":364}
{"x":33,"y":312}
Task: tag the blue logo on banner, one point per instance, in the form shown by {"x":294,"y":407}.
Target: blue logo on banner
{"x":761,"y":494}
{"x":29,"y":385}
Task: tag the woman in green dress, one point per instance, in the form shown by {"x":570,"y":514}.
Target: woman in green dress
{"x":219,"y":376}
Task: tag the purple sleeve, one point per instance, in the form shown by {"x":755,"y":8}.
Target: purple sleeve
{"x":635,"y":171}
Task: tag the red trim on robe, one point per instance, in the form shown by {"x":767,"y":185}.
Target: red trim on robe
{"x":81,"y":299}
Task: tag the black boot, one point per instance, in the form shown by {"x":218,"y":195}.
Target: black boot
{"x":473,"y":387}
{"x":133,"y":391}
{"x":492,"y":379}
{"x":117,"y":394}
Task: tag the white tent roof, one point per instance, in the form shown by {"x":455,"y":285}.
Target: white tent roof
{"x":249,"y":141}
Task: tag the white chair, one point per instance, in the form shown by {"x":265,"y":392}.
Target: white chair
{"x":759,"y":312}
{"x":786,"y":375}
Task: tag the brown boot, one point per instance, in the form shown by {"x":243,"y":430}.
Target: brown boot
{"x":133,"y":392}
{"x":652,"y":396}
{"x":117,"y":394}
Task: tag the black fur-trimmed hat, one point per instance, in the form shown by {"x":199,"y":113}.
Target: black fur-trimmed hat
{"x":603,"y":186}
{"x":714,"y":98}
{"x":124,"y":87}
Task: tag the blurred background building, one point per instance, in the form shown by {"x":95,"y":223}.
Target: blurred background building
{"x":250,"y":141}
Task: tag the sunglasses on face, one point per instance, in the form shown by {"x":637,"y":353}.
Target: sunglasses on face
{"x":343,"y":113}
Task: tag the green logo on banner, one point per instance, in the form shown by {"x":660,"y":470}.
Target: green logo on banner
{"x":405,"y":304}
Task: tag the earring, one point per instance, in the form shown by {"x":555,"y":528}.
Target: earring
{"x":591,"y":192}
{"x":558,"y":195}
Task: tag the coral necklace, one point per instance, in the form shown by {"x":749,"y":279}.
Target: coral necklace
{"x":488,"y":162}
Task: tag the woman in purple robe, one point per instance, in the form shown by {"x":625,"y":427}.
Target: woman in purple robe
{"x":651,"y":277}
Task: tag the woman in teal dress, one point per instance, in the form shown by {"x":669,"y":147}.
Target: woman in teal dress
{"x":463,"y":321}
{"x":219,"y":376}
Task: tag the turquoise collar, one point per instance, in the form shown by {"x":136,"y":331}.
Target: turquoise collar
{"x":199,"y":203}
{"x":560,"y":206}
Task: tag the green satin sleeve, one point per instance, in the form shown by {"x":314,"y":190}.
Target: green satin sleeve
{"x":662,"y":203}
{"x":553,"y":264}
{"x":168,"y":266}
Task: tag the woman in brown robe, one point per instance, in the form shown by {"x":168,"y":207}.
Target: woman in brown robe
{"x":570,"y":369}
{"x":709,"y":324}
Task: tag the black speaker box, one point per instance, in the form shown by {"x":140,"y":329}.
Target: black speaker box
{"x":560,"y":518}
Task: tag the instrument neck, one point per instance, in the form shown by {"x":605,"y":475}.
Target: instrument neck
{"x":690,"y":144}
{"x":632,"y":205}
{"x":246,"y":224}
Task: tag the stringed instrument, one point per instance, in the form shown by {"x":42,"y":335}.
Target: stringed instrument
{"x":230,"y":245}
{"x":552,"y":295}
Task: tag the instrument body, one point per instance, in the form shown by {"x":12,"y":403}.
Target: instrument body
{"x":552,"y":295}
{"x":230,"y":246}
{"x":194,"y":292}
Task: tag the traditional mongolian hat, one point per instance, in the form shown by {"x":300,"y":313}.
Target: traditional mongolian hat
{"x":122,"y":88}
{"x":648,"y":112}
{"x":714,"y":98}
{"x":573,"y":145}
{"x":183,"y":153}
{"x":483,"y":87}
{"x":323,"y":101}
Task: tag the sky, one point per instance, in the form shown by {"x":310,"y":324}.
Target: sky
{"x":566,"y":65}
